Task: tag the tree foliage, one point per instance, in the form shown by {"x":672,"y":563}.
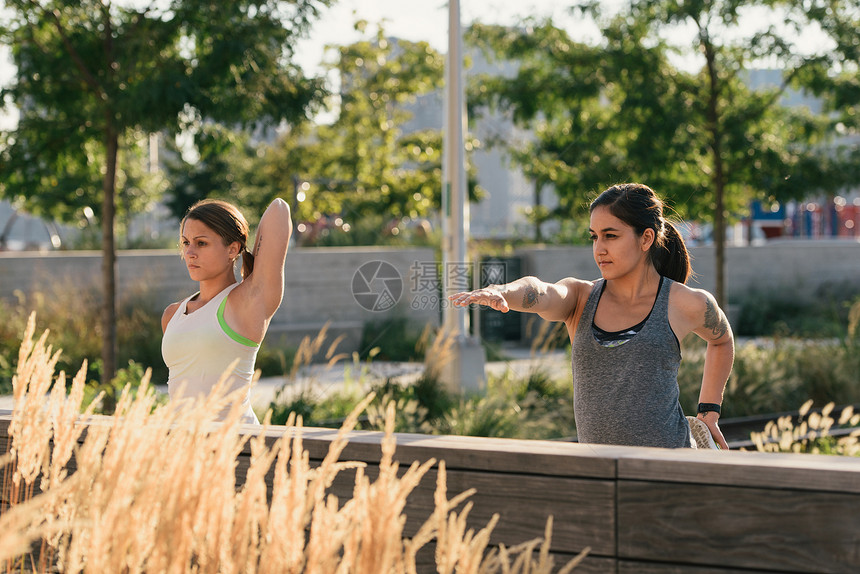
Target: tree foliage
{"x":369,"y":164}
{"x":95,"y":78}
{"x":624,"y":108}
{"x":375,"y":157}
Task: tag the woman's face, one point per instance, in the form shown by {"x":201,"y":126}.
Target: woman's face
{"x":204,"y":251}
{"x":617,"y":248}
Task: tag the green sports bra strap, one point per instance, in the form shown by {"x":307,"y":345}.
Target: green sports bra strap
{"x":229,"y":331}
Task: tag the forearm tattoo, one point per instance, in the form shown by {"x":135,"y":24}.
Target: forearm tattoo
{"x":715,"y":321}
{"x":530,"y":298}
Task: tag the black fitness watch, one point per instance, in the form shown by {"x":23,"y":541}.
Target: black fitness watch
{"x":708,"y":407}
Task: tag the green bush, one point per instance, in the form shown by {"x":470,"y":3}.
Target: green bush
{"x":394,"y":339}
{"x":531,"y":407}
{"x":275,"y":358}
{"x":371,"y":230}
{"x":130,"y":376}
{"x":72,"y":312}
{"x":776,"y":375}
{"x":823,"y":313}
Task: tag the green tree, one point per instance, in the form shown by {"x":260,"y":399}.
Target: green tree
{"x":834,"y":76}
{"x":362,"y":163}
{"x":226,"y":164}
{"x":93,"y":76}
{"x":369,"y":160}
{"x":622,"y":109}
{"x":368,"y":167}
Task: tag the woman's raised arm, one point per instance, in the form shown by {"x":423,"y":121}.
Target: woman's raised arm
{"x":270,"y":254}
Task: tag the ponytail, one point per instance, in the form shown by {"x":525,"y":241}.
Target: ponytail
{"x":247,"y":263}
{"x":639,"y":207}
{"x":670,"y":256}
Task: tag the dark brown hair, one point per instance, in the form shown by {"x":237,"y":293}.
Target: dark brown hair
{"x":227,"y":221}
{"x":639,"y":207}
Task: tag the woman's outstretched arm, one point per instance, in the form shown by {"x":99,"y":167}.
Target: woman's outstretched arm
{"x":552,"y":301}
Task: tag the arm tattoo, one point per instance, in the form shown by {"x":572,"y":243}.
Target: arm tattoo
{"x":530,"y":297}
{"x":257,"y":244}
{"x":715,"y":321}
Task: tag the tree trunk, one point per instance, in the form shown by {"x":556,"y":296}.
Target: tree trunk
{"x":718,"y":177}
{"x":538,"y":211}
{"x":109,"y":309}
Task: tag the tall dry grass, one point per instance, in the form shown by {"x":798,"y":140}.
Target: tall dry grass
{"x":812,"y":432}
{"x":154,"y":489}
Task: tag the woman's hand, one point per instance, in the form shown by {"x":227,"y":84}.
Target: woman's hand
{"x":488,"y":296}
{"x":712,"y":419}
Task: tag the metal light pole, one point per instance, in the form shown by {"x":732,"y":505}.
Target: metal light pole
{"x":465,"y":367}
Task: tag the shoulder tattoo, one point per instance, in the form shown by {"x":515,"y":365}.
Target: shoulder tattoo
{"x":530,"y":297}
{"x":715,"y":321}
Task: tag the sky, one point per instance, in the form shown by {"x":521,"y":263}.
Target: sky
{"x":418,"y":20}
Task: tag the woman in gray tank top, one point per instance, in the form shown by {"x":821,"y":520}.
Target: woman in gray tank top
{"x":626,"y":326}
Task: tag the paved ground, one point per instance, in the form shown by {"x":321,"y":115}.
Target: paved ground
{"x":324,"y":379}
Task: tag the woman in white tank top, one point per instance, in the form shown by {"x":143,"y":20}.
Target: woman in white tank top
{"x":222,"y":325}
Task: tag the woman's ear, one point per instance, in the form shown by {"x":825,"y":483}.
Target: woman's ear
{"x":647,"y":239}
{"x":233,"y":250}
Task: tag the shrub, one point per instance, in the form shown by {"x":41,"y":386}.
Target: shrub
{"x":73,"y":311}
{"x":394,"y":339}
{"x":824,"y":313}
{"x":275,"y":358}
{"x":776,"y":375}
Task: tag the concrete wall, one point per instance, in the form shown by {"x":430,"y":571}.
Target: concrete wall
{"x":793,"y":266}
{"x":319,"y":285}
{"x":320,"y":289}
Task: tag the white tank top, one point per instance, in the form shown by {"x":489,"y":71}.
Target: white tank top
{"x":199,"y":347}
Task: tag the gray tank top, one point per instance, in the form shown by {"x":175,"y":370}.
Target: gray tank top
{"x":628,"y":395}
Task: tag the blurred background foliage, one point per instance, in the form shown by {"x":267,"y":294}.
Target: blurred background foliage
{"x":217,"y":85}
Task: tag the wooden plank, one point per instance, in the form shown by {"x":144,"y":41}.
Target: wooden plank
{"x":753,"y":469}
{"x":768,"y":529}
{"x":425,"y":564}
{"x":773,"y":512}
{"x":591,"y":565}
{"x":630,"y":567}
{"x":586,"y":517}
{"x":552,"y":458}
{"x":583,"y":510}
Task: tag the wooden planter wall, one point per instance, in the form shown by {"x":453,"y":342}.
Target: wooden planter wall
{"x":640,"y":510}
